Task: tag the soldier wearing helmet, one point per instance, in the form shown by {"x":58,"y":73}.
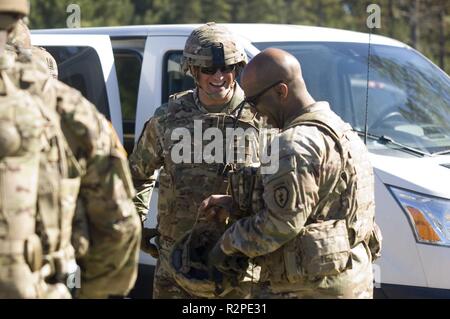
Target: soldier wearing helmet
{"x":208,"y":49}
{"x":28,"y":269}
{"x":212,"y":55}
{"x":61,"y":159}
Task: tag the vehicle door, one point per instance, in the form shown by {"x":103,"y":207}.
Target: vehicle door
{"x":86,"y":62}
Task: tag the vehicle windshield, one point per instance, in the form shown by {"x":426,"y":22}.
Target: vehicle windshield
{"x":409,"y":97}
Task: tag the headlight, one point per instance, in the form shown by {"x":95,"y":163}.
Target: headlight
{"x":429,"y":216}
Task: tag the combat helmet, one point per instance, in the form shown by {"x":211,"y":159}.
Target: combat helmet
{"x":19,"y":7}
{"x":212,"y":45}
{"x":12,"y":11}
{"x":189,"y":263}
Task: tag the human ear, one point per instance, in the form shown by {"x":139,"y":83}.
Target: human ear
{"x":282,"y":90}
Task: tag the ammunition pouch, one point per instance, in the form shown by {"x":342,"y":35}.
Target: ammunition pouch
{"x":321,"y":249}
{"x":33,"y":253}
{"x":30,"y":249}
{"x":20,"y":266}
{"x":324,"y":248}
{"x":246,"y":189}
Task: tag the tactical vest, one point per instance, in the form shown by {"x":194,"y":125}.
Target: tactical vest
{"x":183,"y":186}
{"x":343,"y":218}
{"x":351,"y":196}
{"x":39,"y":183}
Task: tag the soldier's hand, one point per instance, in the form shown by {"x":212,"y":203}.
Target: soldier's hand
{"x":217,"y":207}
{"x":216,"y":213}
{"x":146,"y":246}
{"x":233,"y":265}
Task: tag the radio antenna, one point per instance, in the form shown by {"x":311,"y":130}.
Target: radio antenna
{"x":366,"y":120}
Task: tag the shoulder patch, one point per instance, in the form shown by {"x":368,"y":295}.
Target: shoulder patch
{"x":281,"y":196}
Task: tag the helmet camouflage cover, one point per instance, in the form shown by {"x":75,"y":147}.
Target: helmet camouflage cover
{"x":212,"y":45}
{"x":19,"y":7}
{"x":11,"y":11}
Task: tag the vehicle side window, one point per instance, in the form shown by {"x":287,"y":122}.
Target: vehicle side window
{"x":174,"y":79}
{"x":128,"y":67}
{"x":80,"y":68}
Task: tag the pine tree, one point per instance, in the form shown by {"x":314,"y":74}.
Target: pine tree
{"x":421,"y":23}
{"x":218,"y":11}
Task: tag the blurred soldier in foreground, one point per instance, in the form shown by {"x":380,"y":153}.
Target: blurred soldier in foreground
{"x":214,"y":58}
{"x":24,"y":161}
{"x":20,"y":41}
{"x":94,"y":180}
{"x":316,"y":236}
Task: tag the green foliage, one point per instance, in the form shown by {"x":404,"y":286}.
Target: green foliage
{"x":422,"y":24}
{"x":52,"y":13}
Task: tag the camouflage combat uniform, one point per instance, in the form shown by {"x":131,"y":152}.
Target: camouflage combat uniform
{"x":36,"y":255}
{"x":106,"y":229}
{"x":20,"y":42}
{"x":182,"y":187}
{"x":37,"y":172}
{"x":316,"y":236}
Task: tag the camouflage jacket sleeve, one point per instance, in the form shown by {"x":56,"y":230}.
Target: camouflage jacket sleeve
{"x":147,"y":157}
{"x":110,"y":265}
{"x":290,"y":195}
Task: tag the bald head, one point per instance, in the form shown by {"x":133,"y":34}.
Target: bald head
{"x":270,"y":66}
{"x":273,"y":82}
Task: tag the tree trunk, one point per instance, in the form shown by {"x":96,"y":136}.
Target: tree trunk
{"x":414,"y":23}
{"x":319,"y":13}
{"x":234,"y":11}
{"x":391,"y":24}
{"x":442,"y":51}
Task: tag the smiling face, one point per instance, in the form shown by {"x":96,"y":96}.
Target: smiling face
{"x":216,"y":89}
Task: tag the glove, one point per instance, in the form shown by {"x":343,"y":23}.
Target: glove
{"x":146,"y":246}
{"x":231,"y":265}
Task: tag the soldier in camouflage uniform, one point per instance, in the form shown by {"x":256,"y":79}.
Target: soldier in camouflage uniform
{"x":20,"y":41}
{"x":316,"y":236}
{"x":23,"y":155}
{"x":83,"y":168}
{"x":214,"y":58}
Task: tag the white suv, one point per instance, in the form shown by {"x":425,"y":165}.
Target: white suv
{"x":408,"y":120}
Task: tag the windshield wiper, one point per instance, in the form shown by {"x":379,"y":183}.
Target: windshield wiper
{"x":442,"y":152}
{"x":386,"y":140}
